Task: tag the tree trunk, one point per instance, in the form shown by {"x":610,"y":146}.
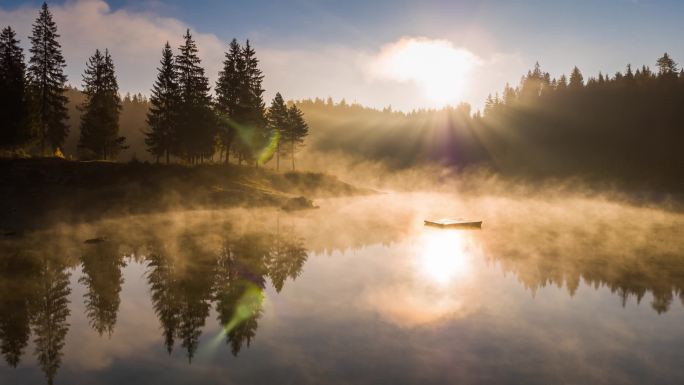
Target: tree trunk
{"x":42,"y":139}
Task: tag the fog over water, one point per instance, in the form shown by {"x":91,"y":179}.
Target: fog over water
{"x":568,"y":288}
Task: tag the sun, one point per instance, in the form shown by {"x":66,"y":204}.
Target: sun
{"x":438,"y":68}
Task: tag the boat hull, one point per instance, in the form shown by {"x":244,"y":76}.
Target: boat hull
{"x":455,"y":225}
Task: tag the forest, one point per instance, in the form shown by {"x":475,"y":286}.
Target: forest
{"x":621,"y":127}
{"x":182,"y":119}
{"x":624,"y":127}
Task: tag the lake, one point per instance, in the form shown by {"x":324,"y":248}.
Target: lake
{"x":572,"y":289}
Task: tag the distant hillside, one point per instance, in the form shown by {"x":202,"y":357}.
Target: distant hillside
{"x":399,"y":140}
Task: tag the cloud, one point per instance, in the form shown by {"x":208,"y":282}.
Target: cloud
{"x":135,"y":39}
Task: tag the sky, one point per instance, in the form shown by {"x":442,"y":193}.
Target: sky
{"x":378,"y":53}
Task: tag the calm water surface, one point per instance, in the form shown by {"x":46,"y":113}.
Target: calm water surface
{"x":562,"y":290}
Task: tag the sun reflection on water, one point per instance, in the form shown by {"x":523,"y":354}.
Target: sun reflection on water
{"x":445,"y":255}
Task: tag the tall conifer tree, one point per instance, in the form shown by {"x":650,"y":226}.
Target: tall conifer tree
{"x":13,"y":107}
{"x":227,"y":95}
{"x":667,"y":68}
{"x":100,"y":120}
{"x":47,"y":82}
{"x":252,"y":114}
{"x":196,"y":124}
{"x":163,"y":114}
{"x":576,"y":79}
{"x":297,"y":130}
{"x":278,"y":121}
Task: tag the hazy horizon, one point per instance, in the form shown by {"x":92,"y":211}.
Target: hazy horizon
{"x":481,"y":46}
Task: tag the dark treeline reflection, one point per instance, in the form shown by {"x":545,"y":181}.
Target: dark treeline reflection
{"x":200,"y":263}
{"x":188,"y":273}
{"x":632,"y":251}
{"x":33,"y":299}
{"x":658,"y":270}
{"x":184,"y":286}
{"x":101,"y":265}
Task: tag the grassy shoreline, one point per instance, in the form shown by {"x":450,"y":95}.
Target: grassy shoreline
{"x":36,"y":193}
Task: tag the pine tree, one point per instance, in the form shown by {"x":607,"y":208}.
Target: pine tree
{"x":297,"y":130}
{"x":629,"y":75}
{"x":576,"y":79}
{"x":13,"y":103}
{"x":667,"y":68}
{"x":196,"y":124}
{"x":252,"y":115}
{"x":47,"y":82}
{"x":278,"y":121}
{"x":100,"y":119}
{"x":509,"y":95}
{"x":227,"y":95}
{"x":163,"y":114}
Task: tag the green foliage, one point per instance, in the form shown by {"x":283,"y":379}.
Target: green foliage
{"x":14,"y":130}
{"x":626,"y":126}
{"x":180,"y":119}
{"x":278,"y":121}
{"x":666,"y":66}
{"x":100,"y":119}
{"x":227,"y":95}
{"x":196,"y":124}
{"x":47,"y":81}
{"x":162,"y":116}
{"x":352,"y":132}
{"x":576,"y":79}
{"x":296,"y":131}
{"x":249,"y":119}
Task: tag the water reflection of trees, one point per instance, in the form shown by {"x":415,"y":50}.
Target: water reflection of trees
{"x":18,"y":288}
{"x":188,"y":272}
{"x":101,"y":265}
{"x":184,"y":284}
{"x":49,"y":319}
{"x":628,"y":267}
{"x":192,"y":267}
{"x":34,"y":287}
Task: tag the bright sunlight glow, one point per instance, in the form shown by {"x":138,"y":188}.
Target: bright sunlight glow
{"x":444,"y":255}
{"x":436,"y":66}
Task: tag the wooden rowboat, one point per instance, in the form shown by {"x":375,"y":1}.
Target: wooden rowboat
{"x":454,"y":224}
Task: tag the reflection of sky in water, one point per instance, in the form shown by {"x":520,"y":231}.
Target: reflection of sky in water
{"x":377,"y":302}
